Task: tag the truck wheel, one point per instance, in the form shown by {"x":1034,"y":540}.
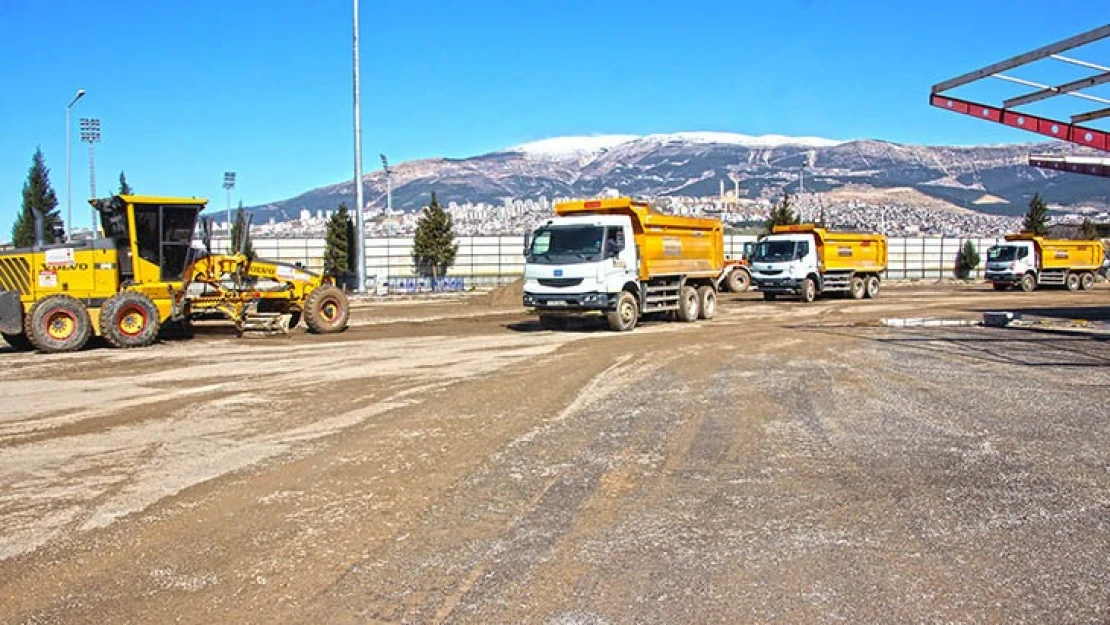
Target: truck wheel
{"x":623,"y":318}
{"x":58,"y":323}
{"x":808,"y":292}
{"x":857,"y":287}
{"x":129,"y":319}
{"x":707,"y":302}
{"x":873,"y":286}
{"x":1087,"y":281}
{"x":770,"y":297}
{"x":1072,"y":281}
{"x":1000,"y":286}
{"x":18,"y":342}
{"x":688,"y":304}
{"x":1028,"y":283}
{"x":738,"y":281}
{"x":326,"y":310}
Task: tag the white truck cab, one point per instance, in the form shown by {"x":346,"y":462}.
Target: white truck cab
{"x":780,"y":262}
{"x":1009,"y":262}
{"x":580,"y":262}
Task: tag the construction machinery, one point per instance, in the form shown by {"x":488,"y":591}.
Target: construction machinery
{"x":806,"y":261}
{"x":1029,"y":261}
{"x":142,"y":275}
{"x":622,"y":259}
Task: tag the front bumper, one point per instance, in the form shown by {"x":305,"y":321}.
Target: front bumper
{"x":778,"y":284}
{"x":1002,"y":277}
{"x":570,"y":302}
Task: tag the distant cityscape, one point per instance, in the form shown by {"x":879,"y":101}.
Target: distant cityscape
{"x":515,"y":216}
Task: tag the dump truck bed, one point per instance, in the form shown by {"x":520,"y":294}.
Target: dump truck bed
{"x":668,"y":244}
{"x":1063,"y":253}
{"x":843,"y":251}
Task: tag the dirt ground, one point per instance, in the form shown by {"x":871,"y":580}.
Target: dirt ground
{"x":447,"y":461}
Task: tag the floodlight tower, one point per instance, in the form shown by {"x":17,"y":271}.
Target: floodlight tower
{"x":90,"y":134}
{"x":229,"y":184}
{"x":388,"y":184}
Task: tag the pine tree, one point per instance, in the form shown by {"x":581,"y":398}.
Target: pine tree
{"x":967,"y":260}
{"x":1087,"y":230}
{"x":339,"y":243}
{"x":237,"y":227}
{"x":782,"y":214}
{"x":1036,"y":220}
{"x":434,"y":247}
{"x":37,"y":193}
{"x":124,"y":188}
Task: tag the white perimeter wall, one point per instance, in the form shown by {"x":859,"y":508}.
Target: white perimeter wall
{"x":485,"y":262}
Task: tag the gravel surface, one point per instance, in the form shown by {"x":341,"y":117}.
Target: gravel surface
{"x":450,"y":462}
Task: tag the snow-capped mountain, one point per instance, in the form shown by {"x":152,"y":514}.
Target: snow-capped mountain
{"x":988,"y":178}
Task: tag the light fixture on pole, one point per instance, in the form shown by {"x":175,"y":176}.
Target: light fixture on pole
{"x":388,"y":185}
{"x":69,"y":187}
{"x":229,"y":184}
{"x":360,"y":219}
{"x":90,"y":134}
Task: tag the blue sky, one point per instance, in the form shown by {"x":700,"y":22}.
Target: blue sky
{"x":187,"y":90}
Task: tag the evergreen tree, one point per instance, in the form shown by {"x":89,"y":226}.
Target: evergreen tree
{"x":782,"y":214}
{"x":237,"y":227}
{"x":967,"y":260}
{"x":37,"y":193}
{"x":434,"y":247}
{"x":1036,"y":220}
{"x":124,"y":188}
{"x":1087,"y":230}
{"x":339,"y":251}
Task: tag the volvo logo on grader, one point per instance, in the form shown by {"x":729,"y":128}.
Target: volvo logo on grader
{"x":71,"y":267}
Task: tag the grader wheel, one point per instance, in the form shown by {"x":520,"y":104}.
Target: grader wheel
{"x":58,"y":323}
{"x":326,"y":310}
{"x":129,"y":319}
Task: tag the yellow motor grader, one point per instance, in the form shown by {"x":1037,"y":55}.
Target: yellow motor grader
{"x":144,"y":273}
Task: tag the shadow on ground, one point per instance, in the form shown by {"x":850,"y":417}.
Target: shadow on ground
{"x":997,"y":345}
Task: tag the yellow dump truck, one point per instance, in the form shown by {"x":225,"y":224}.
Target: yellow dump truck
{"x":620,"y":258}
{"x":806,"y":261}
{"x":1029,"y":261}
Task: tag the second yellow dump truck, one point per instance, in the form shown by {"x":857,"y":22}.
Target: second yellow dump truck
{"x":1029,"y":261}
{"x":806,"y":261}
{"x":621,"y":258}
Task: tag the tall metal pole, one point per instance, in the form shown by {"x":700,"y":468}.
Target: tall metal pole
{"x":360,"y":225}
{"x":69,"y":187}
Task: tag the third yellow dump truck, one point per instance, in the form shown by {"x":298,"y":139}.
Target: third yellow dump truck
{"x":621,"y":258}
{"x":806,"y":261}
{"x":1029,"y":261}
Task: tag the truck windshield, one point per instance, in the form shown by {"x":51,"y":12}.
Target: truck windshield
{"x":1002,"y":253}
{"x":560,"y":245}
{"x":774,"y":251}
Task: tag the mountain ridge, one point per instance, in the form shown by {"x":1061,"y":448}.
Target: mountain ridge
{"x":697,"y":163}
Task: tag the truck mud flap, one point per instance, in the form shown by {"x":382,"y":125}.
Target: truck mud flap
{"x":11,"y":313}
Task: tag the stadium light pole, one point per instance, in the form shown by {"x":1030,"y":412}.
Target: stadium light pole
{"x":69,"y":187}
{"x":360,"y":219}
{"x":388,"y":184}
{"x":90,"y":134}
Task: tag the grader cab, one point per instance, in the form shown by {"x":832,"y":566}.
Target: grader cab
{"x":134,"y":280}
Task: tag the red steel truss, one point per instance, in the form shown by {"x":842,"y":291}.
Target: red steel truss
{"x":1072,"y":131}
